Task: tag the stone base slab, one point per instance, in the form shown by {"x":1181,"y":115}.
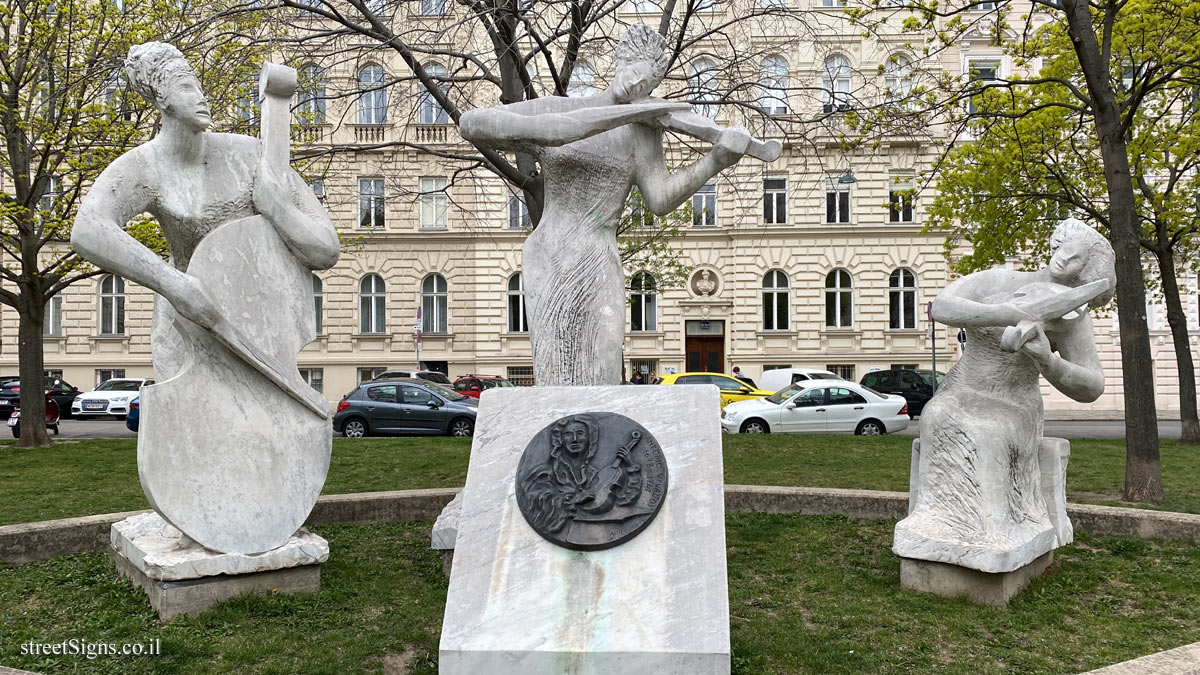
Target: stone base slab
{"x":984,"y":588}
{"x":175,"y":598}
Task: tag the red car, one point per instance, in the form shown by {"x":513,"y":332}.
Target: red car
{"x":474,"y":385}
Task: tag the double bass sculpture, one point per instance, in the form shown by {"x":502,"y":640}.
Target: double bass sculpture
{"x":234,"y":446}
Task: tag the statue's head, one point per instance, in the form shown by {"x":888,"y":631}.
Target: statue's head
{"x":1080,"y":255}
{"x":159,"y":72}
{"x":642,"y":60}
{"x":574,"y":437}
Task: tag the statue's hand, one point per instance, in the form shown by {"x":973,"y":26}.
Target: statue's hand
{"x":731,"y":146}
{"x":271,"y":191}
{"x":193,"y":301}
{"x":1038,"y":345}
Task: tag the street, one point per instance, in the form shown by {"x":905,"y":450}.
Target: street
{"x":110,"y":428}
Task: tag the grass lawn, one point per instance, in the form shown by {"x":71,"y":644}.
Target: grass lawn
{"x":808,"y":594}
{"x":100,"y":476}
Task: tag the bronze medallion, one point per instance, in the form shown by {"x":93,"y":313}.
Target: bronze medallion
{"x":591,"y":481}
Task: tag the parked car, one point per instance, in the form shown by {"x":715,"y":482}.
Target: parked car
{"x":778,"y":378}
{"x":431,"y":375}
{"x":112,"y":397}
{"x":818,"y":407}
{"x":131,"y":419}
{"x":732,"y":389}
{"x":411,"y":406}
{"x":10,"y":394}
{"x":916,"y":386}
{"x":474,"y":385}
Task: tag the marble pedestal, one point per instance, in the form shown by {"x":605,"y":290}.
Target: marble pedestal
{"x":181,"y":577}
{"x":658,"y":603}
{"x":984,"y":588}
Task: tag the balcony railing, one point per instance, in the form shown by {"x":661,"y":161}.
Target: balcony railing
{"x":433,"y":133}
{"x":370,"y":133}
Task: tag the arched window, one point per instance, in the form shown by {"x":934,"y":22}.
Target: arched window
{"x":318,"y":304}
{"x":835,"y":83}
{"x":372,"y":305}
{"x":839,"y":300}
{"x":644,"y":304}
{"x":310,"y":95}
{"x":112,"y":305}
{"x":902,"y":299}
{"x":776,"y":298}
{"x":583,"y":81}
{"x":773,"y":85}
{"x":518,"y":321}
{"x":702,"y":83}
{"x":434,"y":304}
{"x":898,"y":78}
{"x":372,"y":96}
{"x":431,"y":111}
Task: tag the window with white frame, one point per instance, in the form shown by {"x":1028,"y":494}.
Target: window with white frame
{"x":112,"y":305}
{"x":310,"y":95}
{"x":370,"y":373}
{"x":372,"y":96}
{"x":773,"y":86}
{"x":318,"y":290}
{"x":706,"y":5}
{"x":702,"y":83}
{"x":518,"y":320}
{"x":52,"y":317}
{"x":983,"y":6}
{"x":775,"y":200}
{"x":842,"y":370}
{"x":434,"y":203}
{"x":643,"y":303}
{"x":370,"y":203}
{"x":775,"y":299}
{"x":518,"y":213}
{"x":582,"y":82}
{"x":901,"y":191}
{"x":639,"y":215}
{"x":837,"y":199}
{"x":372,"y":305}
{"x":704,"y":206}
{"x":902,"y":300}
{"x":833,"y":3}
{"x":641,"y":6}
{"x":433,"y":7}
{"x":431,"y":111}
{"x":982,"y":73}
{"x":247,"y":103}
{"x":772,"y":4}
{"x":839,"y":300}
{"x":105,"y":374}
{"x":522,"y":376}
{"x":376,"y":6}
{"x":318,"y":188}
{"x":314,"y":377}
{"x":897,"y":78}
{"x":50,"y":197}
{"x":434,"y":304}
{"x":835,"y":84}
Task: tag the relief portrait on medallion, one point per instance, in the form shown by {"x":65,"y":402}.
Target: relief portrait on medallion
{"x":591,"y":481}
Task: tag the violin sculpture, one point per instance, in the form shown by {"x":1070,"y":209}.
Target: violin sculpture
{"x":234,"y":446}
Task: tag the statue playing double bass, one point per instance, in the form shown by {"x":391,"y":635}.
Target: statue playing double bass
{"x":234,"y":445}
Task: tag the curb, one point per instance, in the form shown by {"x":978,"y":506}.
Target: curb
{"x":24,"y":543}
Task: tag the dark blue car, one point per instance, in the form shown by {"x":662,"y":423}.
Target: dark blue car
{"x":131,"y":419}
{"x":408,"y":406}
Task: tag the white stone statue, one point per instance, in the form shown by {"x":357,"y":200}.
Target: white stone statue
{"x":234,"y":446}
{"x":592,"y":150}
{"x":987,"y":490}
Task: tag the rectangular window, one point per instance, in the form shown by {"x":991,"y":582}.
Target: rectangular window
{"x":51,"y":195}
{"x":984,"y":6}
{"x":844,"y":371}
{"x":107,"y":374}
{"x":775,"y":201}
{"x":837,"y":200}
{"x":433,"y":7}
{"x":434,"y":203}
{"x":518,"y":213}
{"x":314,"y":377}
{"x":367,"y":374}
{"x":645,"y":367}
{"x":53,"y":373}
{"x":318,"y":188}
{"x":522,"y":376}
{"x":900,"y":198}
{"x":833,"y":3}
{"x":704,"y":206}
{"x":641,"y":6}
{"x":903,"y":366}
{"x":112,"y":314}
{"x":982,"y":73}
{"x":370,"y":203}
{"x":52,"y":319}
{"x":776,"y":366}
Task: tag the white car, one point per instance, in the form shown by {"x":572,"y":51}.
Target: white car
{"x":818,"y":407}
{"x":112,"y":397}
{"x":774,"y":380}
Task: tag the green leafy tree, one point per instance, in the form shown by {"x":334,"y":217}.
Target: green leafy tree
{"x":65,"y":114}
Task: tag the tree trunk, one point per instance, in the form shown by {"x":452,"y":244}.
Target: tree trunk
{"x":33,"y":383}
{"x":1143,"y":471}
{"x":1177,"y":320}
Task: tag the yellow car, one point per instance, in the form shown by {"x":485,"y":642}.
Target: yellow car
{"x":732,"y":389}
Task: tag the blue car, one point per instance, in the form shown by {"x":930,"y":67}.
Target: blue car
{"x":131,"y":419}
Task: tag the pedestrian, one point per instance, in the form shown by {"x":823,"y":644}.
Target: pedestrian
{"x":637,"y":378}
{"x":651,"y":379}
{"x":737,"y":372}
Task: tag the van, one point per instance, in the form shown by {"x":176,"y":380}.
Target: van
{"x":774,"y":380}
